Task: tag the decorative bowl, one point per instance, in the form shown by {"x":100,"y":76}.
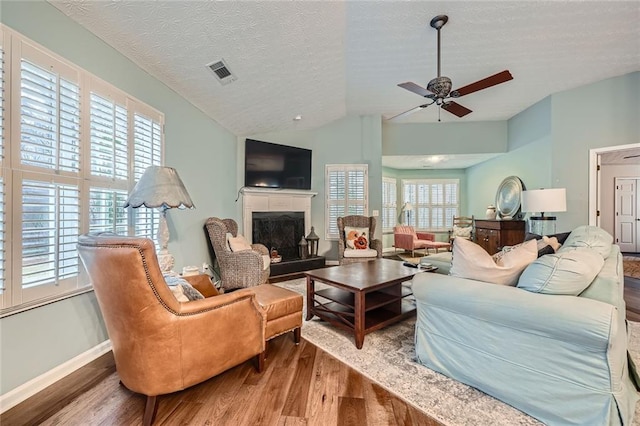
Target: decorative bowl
{"x":276,"y":259}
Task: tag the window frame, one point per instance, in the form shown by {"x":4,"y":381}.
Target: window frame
{"x":447,"y":222}
{"x":346,"y":201}
{"x":14,"y":297}
{"x":389,"y":203}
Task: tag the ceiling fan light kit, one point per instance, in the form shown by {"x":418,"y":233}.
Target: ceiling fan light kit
{"x":439,"y":88}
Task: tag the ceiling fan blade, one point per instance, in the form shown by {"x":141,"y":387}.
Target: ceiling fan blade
{"x":501,"y":77}
{"x":412,"y":87}
{"x":456,"y":109}
{"x":630,"y":156}
{"x":411,"y":111}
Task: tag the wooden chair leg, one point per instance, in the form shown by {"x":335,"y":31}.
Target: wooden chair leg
{"x":259,"y":361}
{"x":296,"y":335}
{"x":150,"y":410}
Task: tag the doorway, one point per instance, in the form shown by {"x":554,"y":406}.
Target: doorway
{"x":627,"y":218}
{"x":609,"y":168}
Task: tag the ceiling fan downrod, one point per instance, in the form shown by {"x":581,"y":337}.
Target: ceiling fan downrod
{"x":437,"y":23}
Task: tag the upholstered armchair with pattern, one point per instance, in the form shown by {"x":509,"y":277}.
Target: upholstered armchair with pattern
{"x":161,"y":345}
{"x":357,"y":231}
{"x":241,"y":267}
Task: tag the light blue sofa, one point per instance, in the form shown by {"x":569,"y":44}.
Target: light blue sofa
{"x":559,"y":358}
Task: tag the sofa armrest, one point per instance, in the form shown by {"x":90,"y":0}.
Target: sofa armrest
{"x":584,"y":322}
{"x":403,"y":241}
{"x":426,"y":236}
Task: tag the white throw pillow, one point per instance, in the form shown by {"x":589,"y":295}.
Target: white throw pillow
{"x":239,"y":243}
{"x":472,"y":261}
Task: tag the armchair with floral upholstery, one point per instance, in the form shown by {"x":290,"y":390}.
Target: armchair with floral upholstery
{"x":356,"y":239}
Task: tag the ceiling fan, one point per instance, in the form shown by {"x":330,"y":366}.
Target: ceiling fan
{"x":439,"y":89}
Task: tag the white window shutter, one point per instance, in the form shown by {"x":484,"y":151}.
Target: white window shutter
{"x":347,"y":194}
{"x":49,"y":122}
{"x":106,"y":210}
{"x":50,"y":229}
{"x":435,"y":202}
{"x":108,"y":121}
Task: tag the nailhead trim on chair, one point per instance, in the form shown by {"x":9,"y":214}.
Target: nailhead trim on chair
{"x":153,"y":287}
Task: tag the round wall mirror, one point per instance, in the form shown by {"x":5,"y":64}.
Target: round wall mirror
{"x":508,"y":197}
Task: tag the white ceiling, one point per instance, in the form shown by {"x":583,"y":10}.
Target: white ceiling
{"x":623,"y":157}
{"x":325,"y":60}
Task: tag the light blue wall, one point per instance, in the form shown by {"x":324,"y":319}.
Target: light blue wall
{"x":202,"y":151}
{"x":444,"y":138}
{"x":549,"y":144}
{"x":352,"y":140}
{"x":606,"y":113}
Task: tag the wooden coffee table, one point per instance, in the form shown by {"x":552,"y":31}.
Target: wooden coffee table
{"x":363,"y":297}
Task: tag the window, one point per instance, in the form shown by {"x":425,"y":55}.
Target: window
{"x":347,"y":194}
{"x":389,"y":200}
{"x":68,"y":157}
{"x":434,"y":201}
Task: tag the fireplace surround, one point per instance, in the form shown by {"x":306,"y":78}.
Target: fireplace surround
{"x":277,"y":208}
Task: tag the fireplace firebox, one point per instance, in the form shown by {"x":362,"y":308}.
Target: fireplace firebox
{"x":279,"y":230}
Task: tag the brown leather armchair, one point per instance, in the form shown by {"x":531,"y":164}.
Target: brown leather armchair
{"x":159,"y":344}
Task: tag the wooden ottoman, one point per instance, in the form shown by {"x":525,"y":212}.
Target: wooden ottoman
{"x":283,"y":308}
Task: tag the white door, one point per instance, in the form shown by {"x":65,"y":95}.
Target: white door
{"x":627,"y":219}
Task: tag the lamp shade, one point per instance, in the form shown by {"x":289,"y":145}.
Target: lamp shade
{"x":408,"y":207}
{"x":160,"y":187}
{"x":544,"y":200}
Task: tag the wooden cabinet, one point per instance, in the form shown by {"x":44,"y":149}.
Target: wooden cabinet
{"x":492,"y":235}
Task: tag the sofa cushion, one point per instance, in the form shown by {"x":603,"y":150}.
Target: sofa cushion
{"x":356,"y":238}
{"x":568,"y":272}
{"x":471,"y":261}
{"x":360,"y":253}
{"x":589,"y":236}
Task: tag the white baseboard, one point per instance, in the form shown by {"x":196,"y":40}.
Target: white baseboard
{"x":332,"y":263}
{"x":35,"y":385}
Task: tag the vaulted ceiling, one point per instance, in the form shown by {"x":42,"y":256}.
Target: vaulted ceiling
{"x":325,"y":60}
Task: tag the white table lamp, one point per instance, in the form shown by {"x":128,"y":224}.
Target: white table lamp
{"x":544,"y":200}
{"x":161,"y":187}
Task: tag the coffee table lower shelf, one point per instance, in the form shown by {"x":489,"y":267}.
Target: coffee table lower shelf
{"x":379,"y":309}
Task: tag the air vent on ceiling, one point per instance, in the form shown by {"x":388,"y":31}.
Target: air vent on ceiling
{"x":222,"y":72}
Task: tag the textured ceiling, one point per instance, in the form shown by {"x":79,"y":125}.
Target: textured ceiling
{"x":417,"y":162}
{"x":623,"y":157}
{"x":324,"y":60}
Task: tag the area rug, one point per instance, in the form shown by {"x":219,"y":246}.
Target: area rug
{"x":631,"y":266}
{"x":406,"y":257}
{"x":388,"y":358}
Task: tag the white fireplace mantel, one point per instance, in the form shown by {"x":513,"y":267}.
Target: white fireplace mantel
{"x":274,"y":200}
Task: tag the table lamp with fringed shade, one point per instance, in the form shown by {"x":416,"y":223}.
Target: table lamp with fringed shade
{"x":541,"y":201}
{"x":161,"y":187}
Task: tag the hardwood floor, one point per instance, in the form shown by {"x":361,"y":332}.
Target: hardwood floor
{"x":301,"y":385}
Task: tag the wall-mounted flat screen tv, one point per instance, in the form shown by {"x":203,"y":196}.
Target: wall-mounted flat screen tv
{"x":269,"y":165}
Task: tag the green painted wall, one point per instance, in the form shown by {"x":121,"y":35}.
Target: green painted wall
{"x":549,"y":144}
{"x":352,"y":140}
{"x":444,"y":138}
{"x":203,"y":152}
{"x":606,"y":113}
